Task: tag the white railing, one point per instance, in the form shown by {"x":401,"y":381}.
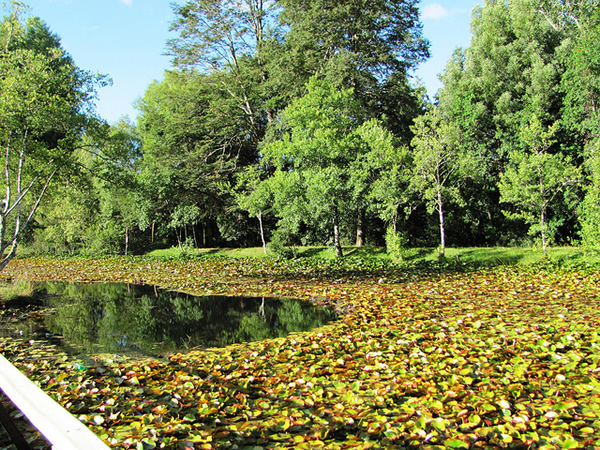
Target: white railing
{"x":55,"y":423}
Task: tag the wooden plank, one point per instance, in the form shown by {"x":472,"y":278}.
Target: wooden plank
{"x":56,"y":424}
{"x":15,"y":434}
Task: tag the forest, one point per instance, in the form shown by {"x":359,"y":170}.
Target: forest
{"x":289,"y":122}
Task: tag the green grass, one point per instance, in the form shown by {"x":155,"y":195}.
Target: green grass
{"x":485,"y":256}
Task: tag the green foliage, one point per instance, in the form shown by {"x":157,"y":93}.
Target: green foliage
{"x":314,"y":160}
{"x":195,"y":140}
{"x":45,"y":111}
{"x":372,"y":53}
{"x":278,"y":248}
{"x":395,"y":244}
{"x":511,"y":70}
{"x":384,"y":36}
{"x":296,"y":121}
{"x":217,"y":34}
{"x":438,"y":165}
{"x":536,"y":179}
{"x":582,"y":94}
{"x":383,"y":174}
{"x":580,"y":80}
{"x":590,"y":206}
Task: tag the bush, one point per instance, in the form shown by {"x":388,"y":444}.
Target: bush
{"x":396,"y":244}
{"x":277,"y":247}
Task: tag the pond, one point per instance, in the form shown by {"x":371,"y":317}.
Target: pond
{"x":93,"y":318}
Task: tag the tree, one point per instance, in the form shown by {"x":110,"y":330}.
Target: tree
{"x":67,"y":217}
{"x":315,"y":158}
{"x":562,"y":14}
{"x":116,"y":164}
{"x":370,"y":47}
{"x":228,"y":37}
{"x":590,"y":206}
{"x":195,"y":140}
{"x":223,"y":52}
{"x":536,"y":178}
{"x":438,"y":163}
{"x":217,"y":34}
{"x":581,"y":85}
{"x":45,"y":101}
{"x":254,"y":196}
{"x":511,"y":70}
{"x":385,"y":172}
{"x":380,"y":38}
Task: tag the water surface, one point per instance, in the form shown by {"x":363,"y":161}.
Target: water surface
{"x":88,"y":318}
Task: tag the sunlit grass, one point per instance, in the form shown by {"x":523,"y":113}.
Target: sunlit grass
{"x":469,"y":255}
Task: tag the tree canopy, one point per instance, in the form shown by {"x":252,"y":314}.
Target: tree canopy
{"x":298,"y":122}
{"x":45,"y":106}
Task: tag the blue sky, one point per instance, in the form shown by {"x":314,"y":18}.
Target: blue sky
{"x":126,"y":39}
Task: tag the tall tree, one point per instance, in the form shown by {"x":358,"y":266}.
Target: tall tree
{"x":230,"y":37}
{"x":194,"y":138}
{"x":438,"y":163}
{"x":45,"y":101}
{"x":536,"y":178}
{"x":511,"y":69}
{"x":316,"y":161}
{"x":223,"y":52}
{"x":563,"y":14}
{"x":253,"y":195}
{"x":581,"y":85}
{"x":121,"y":205}
{"x":383,"y":174}
{"x":369,"y":46}
{"x":379,"y":38}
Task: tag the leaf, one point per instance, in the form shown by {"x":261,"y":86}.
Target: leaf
{"x":474,"y":420}
{"x":569,"y":443}
{"x":503,"y":404}
{"x":456,"y":443}
{"x":439,"y":424}
{"x":271,"y":393}
{"x":98,"y":420}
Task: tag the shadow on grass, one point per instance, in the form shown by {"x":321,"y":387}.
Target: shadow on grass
{"x":209,"y":252}
{"x":493,"y":256}
{"x":414,"y":254}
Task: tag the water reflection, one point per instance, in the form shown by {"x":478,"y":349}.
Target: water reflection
{"x":123,"y":318}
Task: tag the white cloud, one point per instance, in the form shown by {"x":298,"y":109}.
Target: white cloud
{"x":434,"y":11}
{"x":127,"y":2}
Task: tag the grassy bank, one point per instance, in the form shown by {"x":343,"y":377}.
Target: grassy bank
{"x":485,"y":256}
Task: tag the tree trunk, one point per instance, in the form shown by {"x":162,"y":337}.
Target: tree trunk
{"x":359,"y":228}
{"x":262,"y":231}
{"x":336,"y":236}
{"x":543,"y":215}
{"x":543,"y":229}
{"x":178,"y":234}
{"x":126,"y":239}
{"x":442,"y":230}
{"x":336,"y":242}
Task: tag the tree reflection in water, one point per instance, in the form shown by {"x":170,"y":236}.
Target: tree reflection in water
{"x":125,"y":318}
